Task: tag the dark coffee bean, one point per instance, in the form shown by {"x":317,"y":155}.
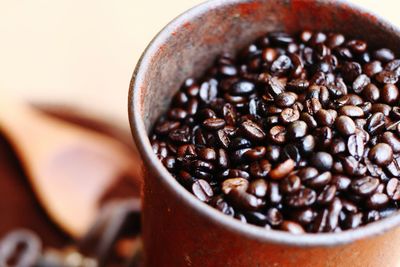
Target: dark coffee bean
{"x":307,"y":144}
{"x":274,"y":217}
{"x":375,"y":123}
{"x":392,"y":140}
{"x":350,"y":71}
{"x":360,"y":83}
{"x":252,"y":130}
{"x":322,"y":161}
{"x":280,"y":38}
{"x":289,"y":115}
{"x":166,"y":127}
{"x":208,"y":91}
{"x":273,"y":194}
{"x":319,"y":180}
{"x":169,"y":163}
{"x":275,"y":86}
{"x":393,"y":189}
{"x":351,"y":111}
{"x":277,"y":134}
{"x":234,"y":173}
{"x":393,"y":168}
{"x":223,"y":160}
{"x":303,"y":216}
{"x":256,"y":153}
{"x":282,"y":63}
{"x":207,"y":154}
{"x":290,"y":151}
{"x":338,"y":146}
{"x":258,"y":188}
{"x":324,"y":118}
{"x":364,"y":186}
{"x":229,"y":114}
{"x":388,"y":77}
{"x":303,"y":198}
{"x":223,"y":138}
{"x":389,"y":94}
{"x":327,"y":195}
{"x":260,"y":169}
{"x":202,"y":190}
{"x":292,"y":227}
{"x":297,"y":129}
{"x":290,"y":184}
{"x":214,"y":124}
{"x":372,"y":68}
{"x":381,"y":154}
{"x":242,"y":88}
{"x":239,"y":184}
{"x":371,"y":93}
{"x":282,"y":169}
{"x":383,"y":54}
{"x":285,"y":99}
{"x":342,"y":182}
{"x":355,"y":146}
{"x":298,"y":85}
{"x":243,"y":201}
{"x":357,"y":46}
{"x":239,"y":143}
{"x":345,"y":125}
{"x":377,"y":201}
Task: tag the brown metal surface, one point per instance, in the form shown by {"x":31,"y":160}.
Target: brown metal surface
{"x":178,"y":229}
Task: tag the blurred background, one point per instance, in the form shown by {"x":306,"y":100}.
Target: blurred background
{"x":83,"y":53}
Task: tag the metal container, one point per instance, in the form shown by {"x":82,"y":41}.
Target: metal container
{"x":178,"y":229}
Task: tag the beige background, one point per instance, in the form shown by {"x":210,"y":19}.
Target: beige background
{"x":83,"y":52}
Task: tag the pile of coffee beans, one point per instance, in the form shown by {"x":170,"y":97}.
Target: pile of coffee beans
{"x":296,"y":133}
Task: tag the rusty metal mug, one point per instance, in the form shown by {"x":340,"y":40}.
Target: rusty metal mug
{"x":178,"y":229}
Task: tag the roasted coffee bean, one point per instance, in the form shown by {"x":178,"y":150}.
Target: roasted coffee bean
{"x":252,"y":130}
{"x":260,"y":169}
{"x":256,"y":153}
{"x":393,"y":189}
{"x":364,"y":186}
{"x":303,"y":198}
{"x":292,"y":227}
{"x":383,"y":54}
{"x":322,"y":161}
{"x":360,"y":83}
{"x":377,"y":201}
{"x":273,"y":194}
{"x":345,"y":125}
{"x":351,"y":111}
{"x":298,"y":133}
{"x":258,"y":188}
{"x":297,"y":129}
{"x":240,"y":184}
{"x":389,"y":94}
{"x":277,"y":134}
{"x":242,"y":88}
{"x":289,"y":115}
{"x":355,"y":146}
{"x":381,"y":154}
{"x":282,"y":169}
{"x":290,"y":184}
{"x":243,"y":201}
{"x":202,"y":190}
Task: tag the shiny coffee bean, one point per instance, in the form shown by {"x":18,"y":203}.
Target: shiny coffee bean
{"x":364,"y":186}
{"x":322,"y":161}
{"x":240,"y":184}
{"x":381,"y":154}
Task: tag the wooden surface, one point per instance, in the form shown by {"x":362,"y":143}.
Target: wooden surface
{"x":83,"y":53}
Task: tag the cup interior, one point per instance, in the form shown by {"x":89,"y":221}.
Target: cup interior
{"x":188,"y":45}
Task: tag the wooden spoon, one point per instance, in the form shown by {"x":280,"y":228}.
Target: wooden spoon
{"x":68,"y":167}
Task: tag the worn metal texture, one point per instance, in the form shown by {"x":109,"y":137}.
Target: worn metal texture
{"x":178,"y":229}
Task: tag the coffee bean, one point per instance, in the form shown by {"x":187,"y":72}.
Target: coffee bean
{"x":360,"y":83}
{"x":292,"y":227}
{"x":386,"y":77}
{"x":202,"y":190}
{"x":351,"y":111}
{"x":290,"y":184}
{"x":256,"y":153}
{"x":260,"y":169}
{"x":381,"y":154}
{"x":285,"y":99}
{"x":345,"y":125}
{"x":273,"y":153}
{"x":303,"y":198}
{"x":324,"y":117}
{"x":377,"y":200}
{"x":273,"y":194}
{"x":297,"y":129}
{"x":383,"y":54}
{"x":353,"y":221}
{"x":355,"y":146}
{"x":393,"y":189}
{"x":252,"y":130}
{"x":372,"y":68}
{"x":364,"y":186}
{"x":274,"y":217}
{"x":282,"y":169}
{"x":277,"y":134}
{"x":242,"y":88}
{"x":275,"y":86}
{"x":258,"y":188}
{"x":322,"y":161}
{"x":327,"y":195}
{"x":289,"y":115}
{"x":244,"y":201}
{"x":389,"y":94}
{"x":240,"y":184}
{"x":319,"y":180}
{"x":214,"y":124}
{"x":282,"y":63}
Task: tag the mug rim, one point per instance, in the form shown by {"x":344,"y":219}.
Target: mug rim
{"x":244,"y":229}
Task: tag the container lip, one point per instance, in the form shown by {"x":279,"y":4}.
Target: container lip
{"x":135,"y":108}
